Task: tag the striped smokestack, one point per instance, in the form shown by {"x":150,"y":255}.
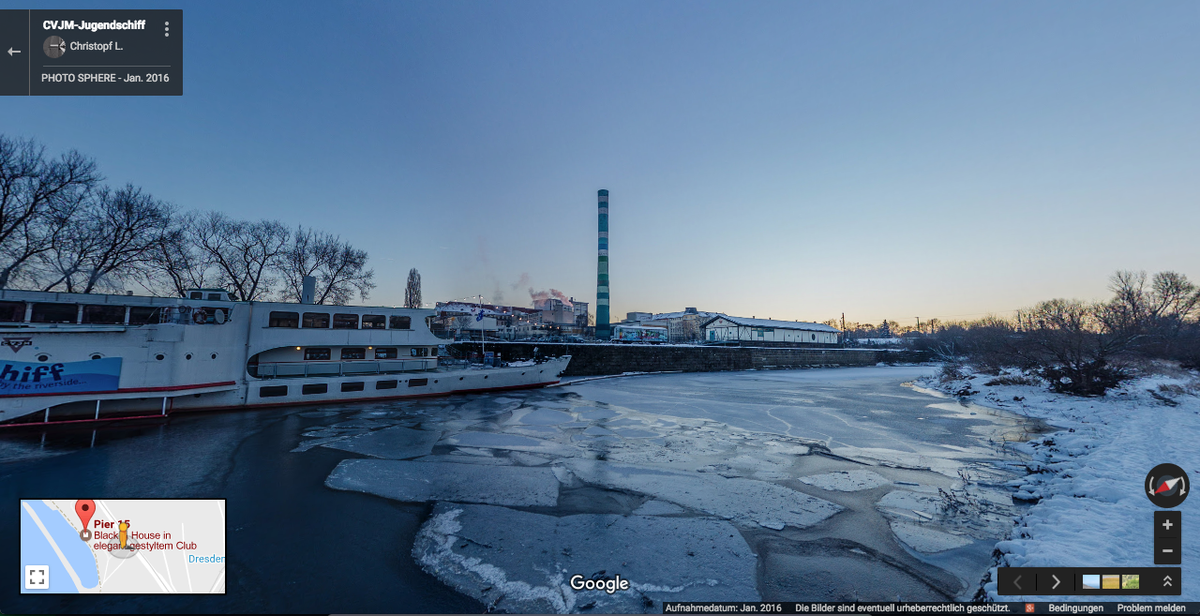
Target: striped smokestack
{"x":602,"y":330}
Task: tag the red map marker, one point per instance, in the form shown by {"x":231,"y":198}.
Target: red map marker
{"x":85,"y":509}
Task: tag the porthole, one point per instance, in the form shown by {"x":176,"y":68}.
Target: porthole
{"x":485,"y":376}
{"x":160,"y":357}
{"x":96,"y":356}
{"x":522,"y":374}
{"x":460,"y":378}
{"x":188,"y":356}
{"x":435,"y":380}
{"x":214,"y":355}
{"x":43,"y":357}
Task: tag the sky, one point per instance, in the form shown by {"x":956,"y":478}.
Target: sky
{"x":787,"y":160}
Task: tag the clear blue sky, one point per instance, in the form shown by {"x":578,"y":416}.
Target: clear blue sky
{"x":790,"y":160}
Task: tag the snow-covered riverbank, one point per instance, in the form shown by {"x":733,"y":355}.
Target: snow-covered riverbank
{"x":1086,"y":478}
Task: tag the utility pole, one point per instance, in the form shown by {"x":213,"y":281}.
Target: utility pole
{"x":919,"y":325}
{"x":843,"y":321}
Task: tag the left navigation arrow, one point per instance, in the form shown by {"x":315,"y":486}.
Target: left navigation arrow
{"x":11,"y":51}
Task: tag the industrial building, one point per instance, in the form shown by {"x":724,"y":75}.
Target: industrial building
{"x":737,"y":330}
{"x":625,"y":332}
{"x":682,"y":327}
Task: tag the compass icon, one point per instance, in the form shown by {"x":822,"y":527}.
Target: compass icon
{"x":1167,"y":486}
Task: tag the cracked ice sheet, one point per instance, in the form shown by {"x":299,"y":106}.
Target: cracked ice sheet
{"x":522,"y":562}
{"x":417,"y":481}
{"x":940,"y":461}
{"x":846,"y":481}
{"x":389,"y":443}
{"x":743,"y":501}
{"x":927,"y":540}
{"x":515,"y":442}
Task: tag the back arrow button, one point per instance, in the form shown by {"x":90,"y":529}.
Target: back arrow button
{"x":11,"y":51}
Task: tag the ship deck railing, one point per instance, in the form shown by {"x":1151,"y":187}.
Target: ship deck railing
{"x":285,"y":370}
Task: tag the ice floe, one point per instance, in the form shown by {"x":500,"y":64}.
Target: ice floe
{"x":846,"y":481}
{"x":417,"y":481}
{"x":523,"y":562}
{"x":743,"y":501}
{"x":391,"y":443}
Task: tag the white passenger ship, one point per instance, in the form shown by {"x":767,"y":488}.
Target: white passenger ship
{"x":86,"y":357}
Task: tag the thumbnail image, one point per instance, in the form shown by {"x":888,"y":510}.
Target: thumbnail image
{"x":1111,"y":582}
{"x":1091,"y":582}
{"x":1130,"y":582}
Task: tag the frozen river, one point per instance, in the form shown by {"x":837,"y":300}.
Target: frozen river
{"x":835,"y":484}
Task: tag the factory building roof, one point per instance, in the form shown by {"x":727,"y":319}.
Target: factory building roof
{"x":802,"y":325}
{"x":680,"y":315}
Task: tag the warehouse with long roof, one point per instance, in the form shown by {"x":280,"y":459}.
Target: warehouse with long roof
{"x":739,"y":330}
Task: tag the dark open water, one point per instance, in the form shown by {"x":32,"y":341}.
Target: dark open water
{"x":293,"y":544}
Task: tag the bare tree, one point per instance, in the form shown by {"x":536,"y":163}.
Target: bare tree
{"x":412,"y":291}
{"x":339,"y":268}
{"x":38,"y":201}
{"x":245,"y":254}
{"x":179,"y":263}
{"x":116,"y":236}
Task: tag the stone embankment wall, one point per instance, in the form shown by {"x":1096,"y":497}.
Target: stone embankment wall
{"x":601,"y":359}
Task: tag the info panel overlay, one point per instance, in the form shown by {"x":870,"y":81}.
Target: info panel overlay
{"x":68,"y":52}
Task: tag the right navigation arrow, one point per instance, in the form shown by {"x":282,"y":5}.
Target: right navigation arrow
{"x":1056,"y":581}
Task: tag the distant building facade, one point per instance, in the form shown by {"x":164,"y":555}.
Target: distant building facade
{"x":738,"y":330}
{"x":682,"y":327}
{"x":625,"y":332}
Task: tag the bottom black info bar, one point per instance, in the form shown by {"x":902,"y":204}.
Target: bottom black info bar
{"x":1039,"y":607}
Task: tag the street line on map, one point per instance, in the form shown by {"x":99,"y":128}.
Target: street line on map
{"x":154,"y":574}
{"x":218,"y":582}
{"x":166,"y":562}
{"x":114,"y":571}
{"x":186,"y":569}
{"x":62,"y":557}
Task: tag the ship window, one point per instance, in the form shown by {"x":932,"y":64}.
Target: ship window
{"x":55,"y":313}
{"x":419,"y":352}
{"x":418,"y":382}
{"x":108,"y":315}
{"x":142,"y":315}
{"x":373,"y":321}
{"x":318,"y":320}
{"x":385,"y":384}
{"x":814,"y":336}
{"x":12,"y":312}
{"x":354,"y":386}
{"x":433,"y":352}
{"x":273,"y":391}
{"x":354,"y":353}
{"x":215,"y":297}
{"x":284,"y":319}
{"x":389,"y":353}
{"x":316,"y":354}
{"x":400,"y":322}
{"x":197,"y":295}
{"x":314,"y":388}
{"x":345,"y":321}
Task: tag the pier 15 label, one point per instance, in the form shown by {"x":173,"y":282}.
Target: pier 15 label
{"x":126,"y":546}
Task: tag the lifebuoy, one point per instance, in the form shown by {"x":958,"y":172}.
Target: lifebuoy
{"x":199,"y":317}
